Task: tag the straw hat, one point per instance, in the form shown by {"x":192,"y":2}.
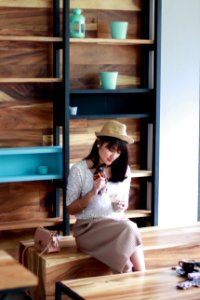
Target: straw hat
{"x":115,"y":129}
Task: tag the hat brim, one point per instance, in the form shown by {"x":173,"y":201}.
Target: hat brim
{"x":123,"y":138}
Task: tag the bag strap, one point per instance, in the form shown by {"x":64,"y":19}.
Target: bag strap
{"x":24,"y":251}
{"x":47,"y":246}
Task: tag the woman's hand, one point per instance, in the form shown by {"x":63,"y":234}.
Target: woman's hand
{"x":99,"y":185}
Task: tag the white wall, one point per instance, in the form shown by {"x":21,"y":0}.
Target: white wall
{"x":179,"y":113}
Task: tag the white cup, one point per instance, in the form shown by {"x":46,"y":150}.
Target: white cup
{"x":115,"y":201}
{"x":73,"y":110}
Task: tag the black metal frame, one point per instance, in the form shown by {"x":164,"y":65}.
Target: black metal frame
{"x":147,"y":108}
{"x":63,"y":289}
{"x":60,"y":112}
{"x":156,"y":142}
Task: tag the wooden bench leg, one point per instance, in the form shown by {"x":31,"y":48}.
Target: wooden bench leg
{"x":63,"y":289}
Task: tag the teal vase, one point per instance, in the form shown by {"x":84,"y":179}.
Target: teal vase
{"x":77,"y":24}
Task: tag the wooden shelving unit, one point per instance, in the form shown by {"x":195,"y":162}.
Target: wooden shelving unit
{"x":19,"y":165}
{"x":135,"y":98}
{"x":73,"y":80}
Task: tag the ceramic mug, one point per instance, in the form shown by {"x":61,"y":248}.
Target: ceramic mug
{"x":108,"y":80}
{"x":115,"y":199}
{"x":118,"y":29}
{"x":73,"y":110}
{"x":187,"y":265}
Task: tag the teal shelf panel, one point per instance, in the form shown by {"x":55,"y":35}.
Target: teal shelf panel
{"x":21,"y":163}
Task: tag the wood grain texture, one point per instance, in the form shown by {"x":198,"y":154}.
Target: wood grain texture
{"x":82,"y":136}
{"x":163,"y":247}
{"x":25,"y":21}
{"x":26,"y":106}
{"x":97,"y":23}
{"x":152,"y":284}
{"x":84,"y":71}
{"x":10,"y":268}
{"x":25,"y":201}
{"x":68,"y":263}
{"x":25,"y":3}
{"x":41,"y":39}
{"x":133,"y":5}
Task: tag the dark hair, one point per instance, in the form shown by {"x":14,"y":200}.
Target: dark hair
{"x":119,"y":166}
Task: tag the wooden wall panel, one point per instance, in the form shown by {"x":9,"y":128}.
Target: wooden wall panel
{"x":82,"y":138}
{"x":24,"y":201}
{"x":86,"y":62}
{"x":25,"y":3}
{"x":25,"y":109}
{"x":97,"y":22}
{"x":24,"y":20}
{"x":27,"y":59}
{"x":25,"y":114}
{"x":132,"y":5}
{"x":86,"y":73}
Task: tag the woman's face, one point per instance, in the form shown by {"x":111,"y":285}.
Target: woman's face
{"x":108,"y":155}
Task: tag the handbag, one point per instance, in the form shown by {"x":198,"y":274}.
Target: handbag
{"x":46,"y":241}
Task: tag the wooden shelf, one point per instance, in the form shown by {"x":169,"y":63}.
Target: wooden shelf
{"x":21,"y":163}
{"x":116,"y":91}
{"x":110,"y":116}
{"x":110,"y":41}
{"x":53,"y":39}
{"x":84,"y":4}
{"x":30,"y":80}
{"x":134,"y":173}
{"x":138,"y":213}
{"x":19,"y":38}
{"x":26,"y":224}
{"x":131,"y":214}
{"x":141,"y":173}
{"x":128,"y":5}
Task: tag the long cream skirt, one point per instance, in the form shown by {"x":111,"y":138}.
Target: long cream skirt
{"x":110,"y":241}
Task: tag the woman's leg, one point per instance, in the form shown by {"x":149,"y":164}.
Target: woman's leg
{"x":137,"y":259}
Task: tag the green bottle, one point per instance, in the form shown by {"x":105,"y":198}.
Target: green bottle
{"x":77,"y":24}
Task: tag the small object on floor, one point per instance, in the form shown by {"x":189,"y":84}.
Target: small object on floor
{"x":184,"y":284}
{"x":181,"y":272}
{"x":196,"y":283}
{"x":194,"y":276}
{"x":188,"y":284}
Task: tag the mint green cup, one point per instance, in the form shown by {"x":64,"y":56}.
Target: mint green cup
{"x":43,"y":170}
{"x":119,"y":29}
{"x":108,"y":80}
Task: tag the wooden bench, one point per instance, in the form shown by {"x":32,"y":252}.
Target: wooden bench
{"x":69,"y":263}
{"x":163,"y":247}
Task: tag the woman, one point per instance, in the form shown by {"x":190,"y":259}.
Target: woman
{"x":98,"y":199}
